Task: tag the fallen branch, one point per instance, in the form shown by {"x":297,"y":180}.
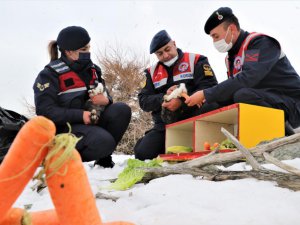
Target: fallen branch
{"x":195,"y":167}
{"x":284,"y":180}
{"x":251,"y":160}
{"x":280,"y":164}
{"x":220,"y":159}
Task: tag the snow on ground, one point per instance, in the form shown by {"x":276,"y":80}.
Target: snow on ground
{"x":184,"y":200}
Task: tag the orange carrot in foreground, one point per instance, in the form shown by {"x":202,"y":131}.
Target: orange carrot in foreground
{"x":118,"y":223}
{"x":67,"y":181}
{"x":24,"y":156}
{"x":71,"y":193}
{"x":69,"y":187}
{"x":45,"y":217}
{"x":17,"y":216}
{"x":13,"y":217}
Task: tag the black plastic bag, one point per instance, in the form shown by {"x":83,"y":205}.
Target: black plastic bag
{"x":10,"y":124}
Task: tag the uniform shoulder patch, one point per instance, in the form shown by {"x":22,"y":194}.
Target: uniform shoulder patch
{"x":207,"y":70}
{"x":42,"y":87}
{"x":143,"y":80}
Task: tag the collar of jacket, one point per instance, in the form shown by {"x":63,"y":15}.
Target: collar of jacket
{"x":180,"y":53}
{"x":236,"y":47}
{"x":65,"y":59}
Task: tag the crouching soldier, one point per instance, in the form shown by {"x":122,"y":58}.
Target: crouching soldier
{"x":259,"y":72}
{"x":173,"y":68}
{"x":63,"y":91}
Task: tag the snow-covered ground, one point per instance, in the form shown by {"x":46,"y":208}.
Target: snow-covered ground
{"x":184,"y":200}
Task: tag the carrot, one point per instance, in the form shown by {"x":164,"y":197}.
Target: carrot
{"x":216,"y":144}
{"x":68,"y":185}
{"x":17,"y":216}
{"x":45,"y":217}
{"x":65,"y":175}
{"x":118,"y":223}
{"x":13,"y":217}
{"x":24,"y":156}
{"x":49,"y":217}
{"x":206,"y":146}
{"x":70,"y":191}
{"x":185,"y":95}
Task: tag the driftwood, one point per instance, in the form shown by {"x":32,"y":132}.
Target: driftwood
{"x":200,"y":167}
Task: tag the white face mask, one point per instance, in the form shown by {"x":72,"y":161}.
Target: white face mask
{"x":171,"y":61}
{"x":222,"y":46}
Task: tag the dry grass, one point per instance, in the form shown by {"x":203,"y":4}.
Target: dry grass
{"x":123,"y":72}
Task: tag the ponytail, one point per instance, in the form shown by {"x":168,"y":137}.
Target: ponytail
{"x":52,"y":50}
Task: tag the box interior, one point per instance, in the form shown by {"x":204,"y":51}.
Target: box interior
{"x":208,"y":128}
{"x":248,"y":123}
{"x":180,"y":134}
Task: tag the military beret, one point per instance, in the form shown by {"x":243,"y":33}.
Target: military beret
{"x":72,"y":38}
{"x":159,"y":40}
{"x":217,"y":17}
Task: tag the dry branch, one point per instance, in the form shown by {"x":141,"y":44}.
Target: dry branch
{"x":220,"y":159}
{"x":280,"y":164}
{"x":194,"y":167}
{"x":284,"y":180}
{"x":251,"y":160}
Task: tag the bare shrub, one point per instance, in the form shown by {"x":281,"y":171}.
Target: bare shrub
{"x":123,"y":72}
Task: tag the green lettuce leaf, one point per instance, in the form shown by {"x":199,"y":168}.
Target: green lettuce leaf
{"x":131,"y":175}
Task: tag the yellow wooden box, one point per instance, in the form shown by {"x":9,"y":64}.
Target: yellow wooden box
{"x":251,"y":124}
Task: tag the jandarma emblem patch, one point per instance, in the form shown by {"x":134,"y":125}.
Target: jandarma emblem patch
{"x":220,"y":17}
{"x":237,"y":63}
{"x":183,"y":66}
{"x":42,"y":87}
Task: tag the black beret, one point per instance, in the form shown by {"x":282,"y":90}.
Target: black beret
{"x":219,"y":16}
{"x":159,"y":40}
{"x":72,"y":38}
